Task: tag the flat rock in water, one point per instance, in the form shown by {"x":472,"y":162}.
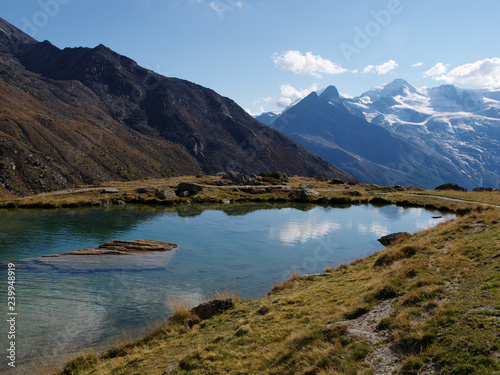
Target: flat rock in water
{"x":122,"y":247}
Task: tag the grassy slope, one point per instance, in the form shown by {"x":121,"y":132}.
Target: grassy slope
{"x":437,"y":293}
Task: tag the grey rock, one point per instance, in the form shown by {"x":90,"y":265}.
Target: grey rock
{"x":109,"y":190}
{"x":165,"y":193}
{"x":277,"y":175}
{"x":191,"y":187}
{"x":337,"y":181}
{"x":119,"y":202}
{"x":241,"y":179}
{"x":393,"y":237}
{"x":104,"y":202}
{"x":450,"y":187}
{"x":258,"y":191}
{"x":325,"y":200}
{"x":122,"y":248}
{"x":481,"y":189}
{"x":354,"y":193}
{"x":146,"y":190}
{"x":183,"y":193}
{"x":226,"y":201}
{"x":306,"y":185}
{"x":303,"y":195}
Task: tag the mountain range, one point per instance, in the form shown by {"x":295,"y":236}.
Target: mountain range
{"x":399,"y":134}
{"x":83,"y":115}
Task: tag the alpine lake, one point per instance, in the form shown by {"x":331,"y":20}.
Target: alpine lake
{"x":69,"y":304}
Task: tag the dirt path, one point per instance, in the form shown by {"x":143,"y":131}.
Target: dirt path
{"x":66,"y":191}
{"x":454,"y":199}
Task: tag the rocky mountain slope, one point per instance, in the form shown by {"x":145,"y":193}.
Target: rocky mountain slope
{"x":81,"y":115}
{"x":338,"y":132}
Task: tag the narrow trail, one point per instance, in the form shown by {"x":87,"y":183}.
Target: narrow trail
{"x":454,"y":199}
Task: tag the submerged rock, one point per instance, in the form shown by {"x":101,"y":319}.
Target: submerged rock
{"x":122,"y":247}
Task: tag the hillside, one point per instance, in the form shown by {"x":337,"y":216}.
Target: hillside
{"x":81,"y":115}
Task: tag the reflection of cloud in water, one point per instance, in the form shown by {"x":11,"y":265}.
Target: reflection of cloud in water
{"x":429,"y":223}
{"x":375,"y":228}
{"x":378,"y":229}
{"x":302,"y":232}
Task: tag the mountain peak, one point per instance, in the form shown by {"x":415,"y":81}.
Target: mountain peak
{"x":12,"y":34}
{"x":397,"y":87}
{"x":330,"y":93}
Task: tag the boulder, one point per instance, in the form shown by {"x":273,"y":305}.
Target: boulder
{"x":450,"y":187}
{"x":306,"y":185}
{"x":191,"y":187}
{"x":325,"y":200}
{"x":241,"y":179}
{"x":109,"y":190}
{"x":146,"y":190}
{"x":481,"y":189}
{"x":258,"y":191}
{"x":303,"y":195}
{"x":182,"y":193}
{"x":277,"y":175}
{"x":119,"y":202}
{"x":209,"y":309}
{"x":165,"y":193}
{"x":337,"y":181}
{"x":104,"y":203}
{"x":353,"y":193}
{"x":393,"y":237}
{"x":226,"y":201}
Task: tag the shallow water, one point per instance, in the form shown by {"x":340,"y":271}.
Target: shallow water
{"x":70,"y":303}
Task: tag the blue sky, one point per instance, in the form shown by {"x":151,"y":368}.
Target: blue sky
{"x":265,"y":54}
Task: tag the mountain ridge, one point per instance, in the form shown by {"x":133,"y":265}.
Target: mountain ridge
{"x":338,"y":132}
{"x":83,"y":115}
{"x":455,"y":130}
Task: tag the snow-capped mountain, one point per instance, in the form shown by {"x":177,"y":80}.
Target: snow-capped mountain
{"x":326,"y":125}
{"x":434,"y":135}
{"x":463,"y":125}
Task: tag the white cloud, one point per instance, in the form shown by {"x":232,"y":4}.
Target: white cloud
{"x":482,"y":73}
{"x":382,"y":68}
{"x":306,"y":64}
{"x":437,"y":69}
{"x":420,"y":63}
{"x":249,"y":111}
{"x":290,"y":94}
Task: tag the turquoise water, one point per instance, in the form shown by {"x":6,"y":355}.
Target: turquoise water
{"x":70,"y":303}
